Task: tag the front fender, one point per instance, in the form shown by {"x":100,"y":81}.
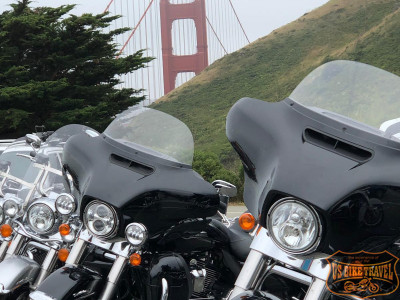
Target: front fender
{"x":69,"y":282}
{"x":255,"y":295}
{"x":17,"y":271}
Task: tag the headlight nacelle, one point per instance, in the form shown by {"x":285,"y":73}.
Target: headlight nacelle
{"x":295,"y":227}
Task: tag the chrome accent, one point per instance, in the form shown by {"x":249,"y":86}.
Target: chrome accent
{"x":3,"y":249}
{"x":313,"y":265}
{"x":46,"y":268}
{"x":317,"y":290}
{"x":16,"y":245}
{"x":33,"y":140}
{"x":76,"y":252}
{"x":318,"y":224}
{"x":113,"y":211}
{"x":22,"y":231}
{"x":3,"y":181}
{"x":225,"y":220}
{"x":199,"y":277}
{"x":250,"y":273}
{"x":290,"y":274}
{"x":113,"y":277}
{"x":38,"y":295}
{"x":225,"y":188}
{"x":19,"y":270}
{"x":164,"y":289}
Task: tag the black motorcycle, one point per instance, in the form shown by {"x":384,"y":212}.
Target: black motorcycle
{"x":151,"y":227}
{"x":322,"y":171}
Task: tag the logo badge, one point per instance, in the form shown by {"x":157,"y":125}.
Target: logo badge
{"x":362,"y":274}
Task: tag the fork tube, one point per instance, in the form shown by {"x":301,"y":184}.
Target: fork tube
{"x":46,"y":268}
{"x":250,"y":273}
{"x":16,"y":245}
{"x":317,"y":290}
{"x":76,"y":252}
{"x":3,"y":249}
{"x":113,"y":277}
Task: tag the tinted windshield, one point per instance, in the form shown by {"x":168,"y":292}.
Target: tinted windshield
{"x":154,"y":132}
{"x":357,"y":91}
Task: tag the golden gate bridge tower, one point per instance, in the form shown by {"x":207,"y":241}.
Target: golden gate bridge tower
{"x":184,"y":37}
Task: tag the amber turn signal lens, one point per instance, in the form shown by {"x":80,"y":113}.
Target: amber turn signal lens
{"x":247,"y":221}
{"x":64,"y":229}
{"x":6,"y":230}
{"x":63,"y":254}
{"x":135,"y":259}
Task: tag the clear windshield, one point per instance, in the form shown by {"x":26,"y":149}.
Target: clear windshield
{"x":351,"y":91}
{"x":154,"y":132}
{"x":62,"y":134}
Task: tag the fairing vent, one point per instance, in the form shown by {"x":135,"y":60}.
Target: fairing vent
{"x":248,"y":165}
{"x":337,"y":146}
{"x":131,"y":165}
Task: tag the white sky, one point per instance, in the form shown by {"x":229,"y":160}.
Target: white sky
{"x":259,"y":17}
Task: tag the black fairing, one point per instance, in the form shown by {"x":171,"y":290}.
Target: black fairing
{"x":349,"y":175}
{"x":143,"y":188}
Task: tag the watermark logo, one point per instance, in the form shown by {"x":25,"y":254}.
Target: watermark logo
{"x":362,"y":274}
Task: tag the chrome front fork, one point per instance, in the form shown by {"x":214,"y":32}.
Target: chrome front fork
{"x":16,"y":245}
{"x":115,"y":272}
{"x":3,"y":249}
{"x":311,"y":271}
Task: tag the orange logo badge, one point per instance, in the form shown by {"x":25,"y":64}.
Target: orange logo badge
{"x":362,"y":274}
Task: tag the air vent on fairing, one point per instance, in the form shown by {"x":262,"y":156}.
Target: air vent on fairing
{"x":338,"y":146}
{"x":131,"y":165}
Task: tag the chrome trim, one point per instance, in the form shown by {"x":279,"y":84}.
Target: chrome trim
{"x":19,"y":270}
{"x":16,"y":244}
{"x":22,"y":231}
{"x":113,"y":277}
{"x":76,"y":252}
{"x":312,"y":265}
{"x":250,"y":273}
{"x":46,"y":267}
{"x":318,"y":224}
{"x":38,"y":295}
{"x":3,"y":250}
{"x":317,"y":290}
{"x":164,"y":289}
{"x":113,"y":211}
{"x":291,"y":274}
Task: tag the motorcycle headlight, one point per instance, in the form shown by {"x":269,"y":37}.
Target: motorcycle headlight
{"x":10,"y":208}
{"x":294,"y":226}
{"x":100,"y":219}
{"x":65,"y":204}
{"x":40,"y":218}
{"x":136,"y":234}
{"x":1,"y":215}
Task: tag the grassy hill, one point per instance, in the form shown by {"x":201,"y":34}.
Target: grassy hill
{"x":271,"y":67}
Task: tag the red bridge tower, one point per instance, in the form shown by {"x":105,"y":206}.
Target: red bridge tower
{"x":175,"y":64}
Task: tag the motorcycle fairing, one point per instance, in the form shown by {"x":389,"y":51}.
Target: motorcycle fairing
{"x":142,"y":187}
{"x":288,"y":162}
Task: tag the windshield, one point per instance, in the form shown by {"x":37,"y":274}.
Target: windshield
{"x":62,"y":134}
{"x":357,"y":91}
{"x":154,"y":132}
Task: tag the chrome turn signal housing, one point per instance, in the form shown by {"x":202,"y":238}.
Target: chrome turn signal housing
{"x":136,"y":234}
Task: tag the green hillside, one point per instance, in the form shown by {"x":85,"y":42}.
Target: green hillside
{"x":270,"y":68}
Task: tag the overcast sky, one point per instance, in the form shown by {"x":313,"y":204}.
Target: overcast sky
{"x":259,"y":17}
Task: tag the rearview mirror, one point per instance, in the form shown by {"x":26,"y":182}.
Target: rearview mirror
{"x":33,"y":140}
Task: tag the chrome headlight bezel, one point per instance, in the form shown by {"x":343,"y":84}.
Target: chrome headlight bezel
{"x":114,"y":229}
{"x":13,"y":205}
{"x":313,"y":245}
{"x":29,"y":218}
{"x":61,"y":204}
{"x":140,"y":234}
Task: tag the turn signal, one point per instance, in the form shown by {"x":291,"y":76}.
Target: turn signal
{"x":63,"y":254}
{"x":64,"y":229}
{"x":6,"y":230}
{"x":247,"y":221}
{"x":135,"y":259}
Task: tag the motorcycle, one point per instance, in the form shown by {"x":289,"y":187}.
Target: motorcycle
{"x":151,"y":227}
{"x":35,"y":212}
{"x":321,"y":171}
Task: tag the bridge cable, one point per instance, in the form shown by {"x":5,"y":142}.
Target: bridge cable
{"x":240,"y":23}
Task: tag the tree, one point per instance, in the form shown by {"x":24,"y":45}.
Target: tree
{"x":57,"y":69}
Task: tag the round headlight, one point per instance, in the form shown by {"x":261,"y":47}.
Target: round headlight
{"x":10,"y":208}
{"x":100,"y":219}
{"x":136,"y":234}
{"x":65,"y":204}
{"x":294,"y":226}
{"x":40,"y":218}
{"x":1,"y":215}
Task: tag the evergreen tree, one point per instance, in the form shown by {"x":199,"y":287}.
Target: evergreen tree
{"x":57,"y":69}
